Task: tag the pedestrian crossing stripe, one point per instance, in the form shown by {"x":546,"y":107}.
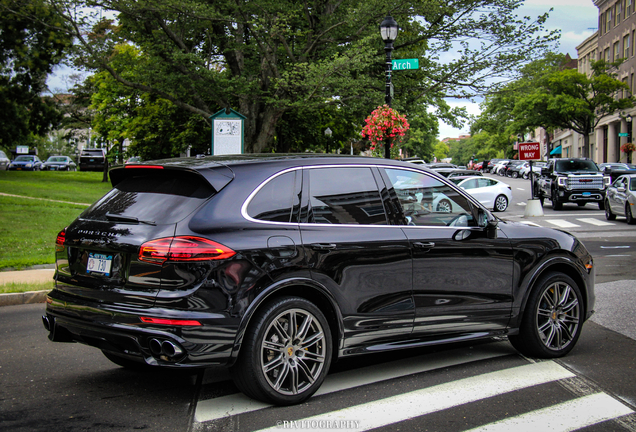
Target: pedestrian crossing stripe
{"x":562,"y":223}
{"x":225,"y":406}
{"x":428,"y":400}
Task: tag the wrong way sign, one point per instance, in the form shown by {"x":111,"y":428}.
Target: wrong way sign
{"x":529,"y":151}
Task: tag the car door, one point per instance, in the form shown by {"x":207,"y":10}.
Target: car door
{"x":353,"y":251}
{"x":620,"y":195}
{"x":462,"y":280}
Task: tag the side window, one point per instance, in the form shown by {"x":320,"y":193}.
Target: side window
{"x":345,"y":196}
{"x":470,"y":184}
{"x":426,"y":201}
{"x":275,"y":200}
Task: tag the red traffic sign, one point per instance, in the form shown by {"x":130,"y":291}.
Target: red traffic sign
{"x":529,"y":151}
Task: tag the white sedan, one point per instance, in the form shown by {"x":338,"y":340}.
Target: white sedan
{"x":492,"y":193}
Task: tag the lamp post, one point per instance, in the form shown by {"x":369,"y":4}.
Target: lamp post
{"x":328,"y":133}
{"x":388,"y":31}
{"x":629,"y":136}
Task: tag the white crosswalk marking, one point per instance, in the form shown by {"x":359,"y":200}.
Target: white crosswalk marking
{"x":562,"y":223}
{"x":432,"y":399}
{"x":567,"y":416}
{"x":596,"y":222}
{"x":225,"y":406}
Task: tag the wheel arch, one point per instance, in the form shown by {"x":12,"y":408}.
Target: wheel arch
{"x":555,"y":265}
{"x":307,"y":289}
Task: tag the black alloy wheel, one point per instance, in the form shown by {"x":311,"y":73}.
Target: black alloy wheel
{"x":552,"y":319}
{"x":286,"y":353}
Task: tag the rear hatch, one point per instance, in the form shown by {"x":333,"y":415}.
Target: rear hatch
{"x":98,"y":255}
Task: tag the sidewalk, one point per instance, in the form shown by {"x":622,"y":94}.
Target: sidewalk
{"x":37,"y":275}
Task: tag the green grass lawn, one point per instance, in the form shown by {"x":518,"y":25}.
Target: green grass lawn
{"x":28,"y":227}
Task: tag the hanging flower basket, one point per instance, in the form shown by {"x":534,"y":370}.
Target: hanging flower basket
{"x":628,"y":147}
{"x":384,"y":122}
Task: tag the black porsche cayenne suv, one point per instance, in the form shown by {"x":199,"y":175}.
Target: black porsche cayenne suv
{"x":277,"y":265}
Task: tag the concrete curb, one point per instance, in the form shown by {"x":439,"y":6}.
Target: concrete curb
{"x":28,"y":297}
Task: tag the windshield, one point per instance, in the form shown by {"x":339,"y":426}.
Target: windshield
{"x":24,"y":159}
{"x":56,"y":159}
{"x":576,"y":165}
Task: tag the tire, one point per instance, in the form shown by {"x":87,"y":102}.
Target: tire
{"x":628,"y":214}
{"x":552,"y":320}
{"x":608,"y":212}
{"x":601,"y":205}
{"x":128,"y":363}
{"x":556,"y":204}
{"x":515,"y":174}
{"x":281,"y":363}
{"x":444,"y":206}
{"x":501,"y":203}
{"x":525,"y":176}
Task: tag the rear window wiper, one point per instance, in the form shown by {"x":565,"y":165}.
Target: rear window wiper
{"x":127,"y":219}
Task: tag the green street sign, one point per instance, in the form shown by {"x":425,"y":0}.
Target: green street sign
{"x":405,"y":64}
{"x":621,"y":134}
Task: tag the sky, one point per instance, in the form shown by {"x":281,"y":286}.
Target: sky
{"x":577,"y":20}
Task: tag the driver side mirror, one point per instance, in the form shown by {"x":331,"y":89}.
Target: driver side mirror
{"x":488,"y":222}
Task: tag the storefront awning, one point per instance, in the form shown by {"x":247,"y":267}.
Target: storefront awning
{"x":556,"y":150}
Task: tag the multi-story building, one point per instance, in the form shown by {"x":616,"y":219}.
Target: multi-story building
{"x":614,"y":40}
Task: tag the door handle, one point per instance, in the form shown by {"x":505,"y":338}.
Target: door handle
{"x":323,"y":246}
{"x":421,"y":245}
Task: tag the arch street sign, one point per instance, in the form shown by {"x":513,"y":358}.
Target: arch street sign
{"x":529,"y":151}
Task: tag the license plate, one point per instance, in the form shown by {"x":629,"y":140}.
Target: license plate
{"x":587,"y":193}
{"x":99,"y":263}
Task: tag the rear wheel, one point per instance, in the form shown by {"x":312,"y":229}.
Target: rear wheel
{"x":501,"y":203}
{"x":444,"y":206}
{"x":628,"y":214}
{"x":552,"y":320}
{"x":608,"y":212}
{"x":515,"y":174}
{"x":286,"y":352}
{"x":556,"y":204}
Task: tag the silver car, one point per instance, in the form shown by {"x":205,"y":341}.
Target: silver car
{"x":621,"y":198}
{"x":4,"y":161}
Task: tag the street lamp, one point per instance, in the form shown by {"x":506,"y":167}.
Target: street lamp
{"x":388,"y":31}
{"x":328,"y":133}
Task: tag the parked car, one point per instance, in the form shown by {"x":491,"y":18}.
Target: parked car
{"x":456,"y":172}
{"x":620,"y":198}
{"x":26,"y":163}
{"x":434,"y":165}
{"x":59,"y":163}
{"x":490,"y":192}
{"x":512,"y":168}
{"x":134,"y":159}
{"x":4,"y":161}
{"x":613,"y":166}
{"x":491,"y":164}
{"x":276,"y":265}
{"x":498,"y":166}
{"x":524,"y":171}
{"x":415,"y":160}
{"x":92,"y":160}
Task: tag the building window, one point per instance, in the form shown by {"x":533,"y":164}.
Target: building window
{"x":631,"y":85}
{"x":606,"y":55}
{"x":618,"y":13}
{"x":608,"y":20}
{"x":628,"y":6}
{"x":626,"y":49}
{"x":616,"y":52}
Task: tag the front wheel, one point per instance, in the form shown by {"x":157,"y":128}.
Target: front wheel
{"x":608,"y":212}
{"x":552,"y":320}
{"x":444,"y":206}
{"x":628,"y":214}
{"x":286,"y":352}
{"x":601,"y":205}
{"x":556,"y":204}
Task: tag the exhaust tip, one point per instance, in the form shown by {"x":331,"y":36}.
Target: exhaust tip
{"x":155,"y":347}
{"x":47,"y":322}
{"x":171,"y":349}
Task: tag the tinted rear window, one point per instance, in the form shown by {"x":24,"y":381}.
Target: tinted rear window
{"x":162,"y":198}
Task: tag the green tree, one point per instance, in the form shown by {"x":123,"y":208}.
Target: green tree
{"x":568,"y":99}
{"x":278,"y":61}
{"x":33,"y":38}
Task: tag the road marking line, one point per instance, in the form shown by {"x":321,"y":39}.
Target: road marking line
{"x":225,"y":406}
{"x":561,"y":223}
{"x":596,"y":222}
{"x":437,"y":398}
{"x":566,"y":416}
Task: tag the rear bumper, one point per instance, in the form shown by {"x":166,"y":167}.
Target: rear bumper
{"x":121,"y":331}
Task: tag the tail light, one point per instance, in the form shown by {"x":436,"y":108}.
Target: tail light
{"x":59,"y":241}
{"x":183,"y":249}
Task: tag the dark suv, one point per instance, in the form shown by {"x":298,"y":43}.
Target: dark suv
{"x":275,"y":265}
{"x":92,"y":160}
